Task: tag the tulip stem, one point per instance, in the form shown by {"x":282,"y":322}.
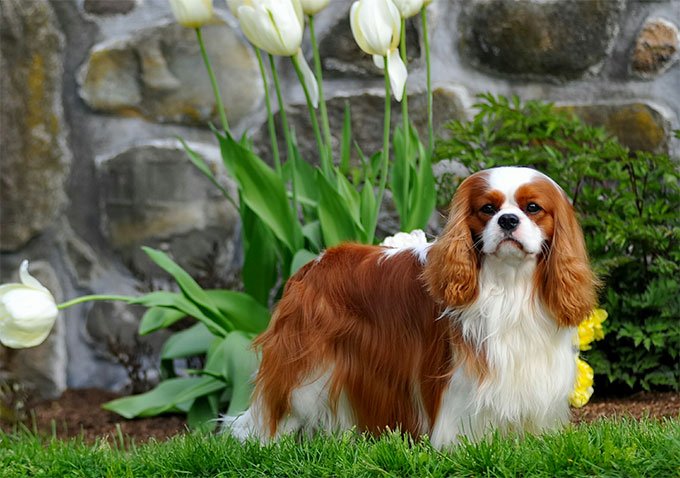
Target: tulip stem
{"x":89,"y":298}
{"x":312,"y":115}
{"x":319,"y":79}
{"x":213,"y":81}
{"x":406,"y":130}
{"x":270,"y":116}
{"x":385,"y":152}
{"x":286,"y":129}
{"x":428,"y":69}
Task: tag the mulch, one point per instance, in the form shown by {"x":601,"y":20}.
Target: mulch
{"x":79,"y":413}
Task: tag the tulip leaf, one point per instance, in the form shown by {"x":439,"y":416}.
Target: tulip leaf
{"x":346,"y":141}
{"x":247,"y":314}
{"x":189,"y":287}
{"x":203,"y":412}
{"x":337,"y":223}
{"x":312,"y":232}
{"x":368,"y":210}
{"x":262,"y":190}
{"x":424,"y":195}
{"x":259,"y":271}
{"x":173,"y":300}
{"x":203,"y":167}
{"x":242,"y":363}
{"x":189,"y":342}
{"x":170,"y":395}
{"x":157,"y":318}
{"x":302,"y":257}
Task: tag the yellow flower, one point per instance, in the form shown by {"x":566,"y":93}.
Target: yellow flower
{"x":583,"y":387}
{"x":591,"y":329}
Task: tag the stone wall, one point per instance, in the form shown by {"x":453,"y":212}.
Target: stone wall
{"x":94,"y":93}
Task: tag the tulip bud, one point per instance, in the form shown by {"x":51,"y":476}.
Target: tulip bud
{"x":275,"y":26}
{"x":312,"y":7}
{"x":376,"y":26}
{"x":192,"y":13}
{"x":409,"y":8}
{"x":27,"y":311}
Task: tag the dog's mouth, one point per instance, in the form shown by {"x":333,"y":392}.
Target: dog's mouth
{"x":512,"y":242}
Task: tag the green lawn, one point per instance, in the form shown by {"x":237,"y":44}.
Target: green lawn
{"x":609,"y":448}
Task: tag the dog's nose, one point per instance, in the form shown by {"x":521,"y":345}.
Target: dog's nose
{"x":508,"y":222}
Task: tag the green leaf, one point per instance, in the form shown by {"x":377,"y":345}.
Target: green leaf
{"x":346,"y":141}
{"x":159,"y":318}
{"x":368,"y":210}
{"x":174,"y":300}
{"x":402,"y":169}
{"x":337,"y":223}
{"x":242,"y":363}
{"x":189,"y":342}
{"x":423,"y":198}
{"x":262,"y":190}
{"x":260,"y":260}
{"x":302,"y":257}
{"x":203,"y":167}
{"x":189,"y":287}
{"x":247,"y":314}
{"x":203,"y":413}
{"x":312,"y":232}
{"x":166,"y":397}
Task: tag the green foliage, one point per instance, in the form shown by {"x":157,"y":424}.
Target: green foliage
{"x":226,"y":321}
{"x":628,"y":203}
{"x":611,"y":448}
{"x":289,"y":217}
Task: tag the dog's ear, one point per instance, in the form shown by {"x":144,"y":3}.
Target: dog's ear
{"x":566,"y":282}
{"x":452,"y":268}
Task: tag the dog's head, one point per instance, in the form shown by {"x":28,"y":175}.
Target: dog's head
{"x":514,"y":215}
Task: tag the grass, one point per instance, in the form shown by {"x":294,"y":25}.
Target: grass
{"x":608,"y":448}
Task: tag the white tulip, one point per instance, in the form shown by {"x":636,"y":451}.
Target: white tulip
{"x":409,"y":8}
{"x":312,"y":7}
{"x":376,"y":26}
{"x":27,"y":311}
{"x":275,"y":26}
{"x":192,"y":13}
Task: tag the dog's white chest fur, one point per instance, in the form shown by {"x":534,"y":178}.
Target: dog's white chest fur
{"x":531,"y":366}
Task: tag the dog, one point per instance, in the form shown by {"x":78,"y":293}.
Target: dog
{"x":456,"y":338}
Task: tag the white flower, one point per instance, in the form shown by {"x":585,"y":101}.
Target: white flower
{"x":192,"y":13}
{"x":405,"y":239}
{"x":376,"y":26}
{"x":275,"y":26}
{"x":312,"y":7}
{"x":27,"y":311}
{"x":409,"y":8}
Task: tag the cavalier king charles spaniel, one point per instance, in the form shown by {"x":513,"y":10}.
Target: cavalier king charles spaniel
{"x":468,"y":334}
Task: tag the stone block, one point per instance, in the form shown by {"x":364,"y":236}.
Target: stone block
{"x":34,"y":156}
{"x":637,"y":125}
{"x":151,"y":194}
{"x":108,"y":7}
{"x":656,"y":48}
{"x":158,"y":73}
{"x":539,"y":39}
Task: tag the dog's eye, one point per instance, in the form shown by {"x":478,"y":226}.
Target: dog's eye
{"x":488,"y":209}
{"x":533,"y":208}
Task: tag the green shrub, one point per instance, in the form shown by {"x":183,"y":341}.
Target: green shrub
{"x":628,"y":203}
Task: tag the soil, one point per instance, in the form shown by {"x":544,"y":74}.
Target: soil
{"x":79,"y":413}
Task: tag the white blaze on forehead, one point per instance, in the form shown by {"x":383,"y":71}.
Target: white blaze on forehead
{"x":508,"y":180}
